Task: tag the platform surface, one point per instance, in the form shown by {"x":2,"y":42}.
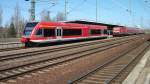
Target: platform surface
{"x":141,"y":73}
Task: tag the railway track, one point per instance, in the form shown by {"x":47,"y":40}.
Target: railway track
{"x":30,"y":56}
{"x":115,"y":70}
{"x":33,"y":64}
{"x":4,"y":46}
{"x":10,"y":49}
{"x":10,"y":46}
{"x":32,"y":53}
{"x":18,"y":48}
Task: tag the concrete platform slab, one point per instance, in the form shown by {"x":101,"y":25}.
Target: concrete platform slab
{"x":141,"y":73}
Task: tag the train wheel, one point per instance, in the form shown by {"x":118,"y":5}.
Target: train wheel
{"x":28,"y":44}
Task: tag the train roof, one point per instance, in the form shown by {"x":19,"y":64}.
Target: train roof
{"x":63,"y":24}
{"x":59,"y":24}
{"x":92,"y":23}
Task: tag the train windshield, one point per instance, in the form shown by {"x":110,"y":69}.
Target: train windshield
{"x":29,"y":27}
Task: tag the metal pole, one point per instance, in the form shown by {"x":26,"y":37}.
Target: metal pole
{"x":142,"y":22}
{"x":66,"y":9}
{"x":32,"y":16}
{"x":131,"y":13}
{"x":96,"y":10}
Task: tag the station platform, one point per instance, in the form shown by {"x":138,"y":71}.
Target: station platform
{"x":141,"y":72}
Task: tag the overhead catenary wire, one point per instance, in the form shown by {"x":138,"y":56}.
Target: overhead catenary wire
{"x":146,"y":5}
{"x":147,"y":2}
{"x":122,"y":6}
{"x":145,"y":8}
{"x":33,"y":4}
{"x":127,"y":9}
{"x":77,"y":7}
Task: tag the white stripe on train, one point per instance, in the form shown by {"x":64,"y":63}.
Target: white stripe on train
{"x":65,"y":39}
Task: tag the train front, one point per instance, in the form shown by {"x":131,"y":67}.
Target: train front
{"x":27,"y":33}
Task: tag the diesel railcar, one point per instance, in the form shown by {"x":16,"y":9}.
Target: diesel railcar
{"x":47,"y":32}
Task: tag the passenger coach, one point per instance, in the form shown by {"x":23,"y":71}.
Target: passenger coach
{"x":122,"y":31}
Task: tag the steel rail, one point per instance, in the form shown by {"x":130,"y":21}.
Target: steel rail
{"x":30,"y":53}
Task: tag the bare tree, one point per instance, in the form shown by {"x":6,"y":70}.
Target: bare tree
{"x":1,"y":28}
{"x":11,"y":30}
{"x":60,"y":16}
{"x":1,"y":16}
{"x":45,"y":15}
{"x":18,"y":21}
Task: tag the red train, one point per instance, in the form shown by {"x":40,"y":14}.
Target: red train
{"x":46,"y":32}
{"x":121,"y":31}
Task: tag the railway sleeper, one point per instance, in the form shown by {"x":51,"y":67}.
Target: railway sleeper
{"x":99,"y":78}
{"x":2,"y":75}
{"x":113,"y":69}
{"x":108,"y":72}
{"x":16,"y":71}
{"x":91,"y":82}
{"x":3,"y":83}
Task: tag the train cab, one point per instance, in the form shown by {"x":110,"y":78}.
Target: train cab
{"x":27,"y":32}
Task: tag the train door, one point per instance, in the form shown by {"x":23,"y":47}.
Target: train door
{"x":109,"y":33}
{"x":58,"y":33}
{"x":102,"y":32}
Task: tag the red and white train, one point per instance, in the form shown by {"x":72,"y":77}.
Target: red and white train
{"x":46,"y":32}
{"x":121,"y":31}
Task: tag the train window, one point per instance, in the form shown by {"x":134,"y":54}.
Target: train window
{"x":95,"y":31}
{"x":39,"y":32}
{"x":49,"y":32}
{"x":29,"y":27}
{"x":32,"y":24}
{"x":111,"y":32}
{"x":105,"y":31}
{"x":59,"y":32}
{"x":102,"y":31}
{"x":27,"y":32}
{"x":70,"y":32}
